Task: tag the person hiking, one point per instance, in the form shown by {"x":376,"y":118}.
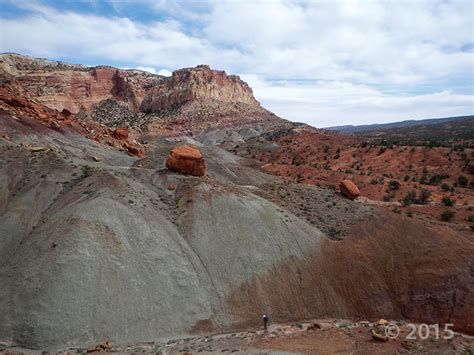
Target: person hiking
{"x":265,"y":320}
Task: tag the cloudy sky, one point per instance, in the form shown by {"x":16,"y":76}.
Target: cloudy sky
{"x":321,"y":62}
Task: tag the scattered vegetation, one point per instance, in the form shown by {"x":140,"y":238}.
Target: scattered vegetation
{"x":411,"y":197}
{"x":393,"y":185}
{"x":446,"y":187}
{"x":447,"y":201}
{"x":447,"y":215}
{"x":462,"y":181}
{"x":470,"y":169}
{"x":388,"y":196}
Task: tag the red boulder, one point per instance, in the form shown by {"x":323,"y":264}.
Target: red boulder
{"x":187,"y":160}
{"x":349,"y":189}
{"x":134,"y":149}
{"x":121,"y":133}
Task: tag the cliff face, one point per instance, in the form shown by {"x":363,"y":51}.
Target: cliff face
{"x":201,"y":84}
{"x":74,"y":87}
{"x":190,"y":101}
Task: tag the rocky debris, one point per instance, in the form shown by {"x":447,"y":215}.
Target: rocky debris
{"x":113,"y":113}
{"x":105,"y":346}
{"x":38,"y":149}
{"x":134,"y":149}
{"x":187,"y":160}
{"x":349,"y":189}
{"x":14,"y":100}
{"x":121,"y":133}
{"x":410,"y":345}
{"x":66,"y":113}
{"x":19,"y":103}
{"x":295,"y":338}
{"x":379,"y":330}
{"x":320,"y":207}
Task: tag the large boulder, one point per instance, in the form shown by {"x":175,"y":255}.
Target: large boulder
{"x":121,"y":133}
{"x":349,"y":189}
{"x":187,"y":160}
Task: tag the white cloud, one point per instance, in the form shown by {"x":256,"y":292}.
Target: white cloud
{"x":165,"y":72}
{"x":50,"y":33}
{"x":148,"y":69}
{"x":378,"y":42}
{"x":324,"y":104}
{"x":348,"y":52}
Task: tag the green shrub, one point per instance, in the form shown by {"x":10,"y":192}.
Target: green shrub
{"x":409,"y":198}
{"x":462,"y":181}
{"x":447,"y":215}
{"x":393,"y":185}
{"x":388,"y":196}
{"x":437,"y":178}
{"x":423,"y":196}
{"x":446,"y":187}
{"x":447,"y":201}
{"x":470,"y":169}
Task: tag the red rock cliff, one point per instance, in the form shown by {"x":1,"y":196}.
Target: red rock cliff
{"x":200,"y":84}
{"x":61,"y":86}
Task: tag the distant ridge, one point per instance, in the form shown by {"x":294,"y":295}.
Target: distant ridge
{"x":406,"y":123}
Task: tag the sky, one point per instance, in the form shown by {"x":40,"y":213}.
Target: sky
{"x":325,"y":63}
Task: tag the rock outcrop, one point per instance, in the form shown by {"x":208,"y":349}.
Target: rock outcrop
{"x":349,"y":189}
{"x":71,"y":87}
{"x":187,"y":160}
{"x":192,"y":100}
{"x":201,"y":84}
{"x":197,"y":100}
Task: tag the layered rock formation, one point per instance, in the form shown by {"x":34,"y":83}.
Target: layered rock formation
{"x":200,"y":83}
{"x":194,"y":100}
{"x":190,"y":101}
{"x":61,"y":86}
{"x":20,"y":104}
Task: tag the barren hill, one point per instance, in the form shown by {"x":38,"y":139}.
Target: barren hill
{"x":103,"y":242}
